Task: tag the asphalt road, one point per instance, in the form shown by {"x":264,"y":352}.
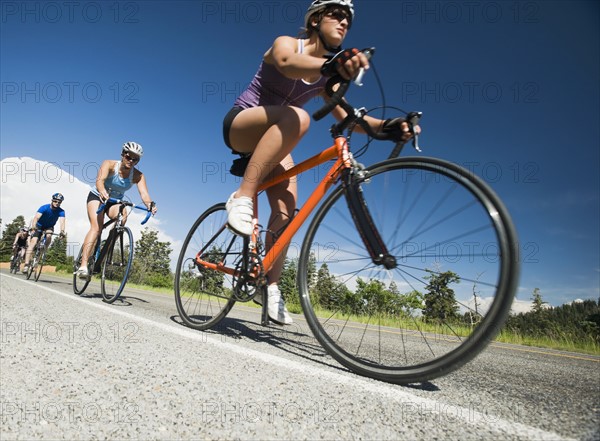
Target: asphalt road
{"x":75,"y":368}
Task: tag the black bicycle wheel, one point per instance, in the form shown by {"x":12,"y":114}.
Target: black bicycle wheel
{"x":204,"y":296}
{"x":454,"y":274}
{"x":79,"y":285}
{"x":37,"y":270}
{"x":15,"y":264}
{"x":116,"y":264}
{"x":33,"y":262}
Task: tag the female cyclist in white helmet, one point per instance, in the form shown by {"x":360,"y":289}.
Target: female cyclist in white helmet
{"x":114,"y":178}
{"x":267,"y":119}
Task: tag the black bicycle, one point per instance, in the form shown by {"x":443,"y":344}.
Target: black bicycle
{"x":15,"y":263}
{"x":112,"y":258}
{"x":39,"y":256}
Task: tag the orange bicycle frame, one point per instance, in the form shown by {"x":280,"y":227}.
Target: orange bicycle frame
{"x":339,"y":152}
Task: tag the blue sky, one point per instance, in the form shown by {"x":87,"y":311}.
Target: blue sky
{"x":509,"y":89}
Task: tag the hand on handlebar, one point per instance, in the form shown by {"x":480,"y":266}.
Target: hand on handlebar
{"x":347,"y":63}
{"x":103,"y":196}
{"x":400,"y":129}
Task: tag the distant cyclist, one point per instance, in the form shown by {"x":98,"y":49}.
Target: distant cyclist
{"x":20,"y":243}
{"x":43,"y":223}
{"x":114,"y":178}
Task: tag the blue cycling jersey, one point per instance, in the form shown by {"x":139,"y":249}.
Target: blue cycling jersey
{"x":49,"y":216}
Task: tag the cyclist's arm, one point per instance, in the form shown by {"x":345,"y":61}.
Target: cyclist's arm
{"x":290,"y":63}
{"x":35,"y":220}
{"x":140,"y":180}
{"x":103,"y":173}
{"x":376,"y":124}
{"x":63,"y":221}
{"x":284,"y":56}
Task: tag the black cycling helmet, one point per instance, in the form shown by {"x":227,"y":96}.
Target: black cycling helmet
{"x":58,"y":197}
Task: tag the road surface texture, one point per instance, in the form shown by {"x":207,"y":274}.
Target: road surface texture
{"x":76,"y":368}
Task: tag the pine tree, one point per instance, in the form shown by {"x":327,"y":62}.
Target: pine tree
{"x":287,"y":281}
{"x":538,"y":303}
{"x":152,"y":261}
{"x":440,"y":303}
{"x":57,"y":253}
{"x":325,"y":287}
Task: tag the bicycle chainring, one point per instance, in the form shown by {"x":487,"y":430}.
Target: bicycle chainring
{"x":247,"y":280}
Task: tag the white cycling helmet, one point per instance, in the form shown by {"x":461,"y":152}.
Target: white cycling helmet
{"x":133,"y":147}
{"x":320,"y":5}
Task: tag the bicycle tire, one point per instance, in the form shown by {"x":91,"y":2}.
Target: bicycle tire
{"x":204,"y":296}
{"x":40,"y":264}
{"x":116,"y":264}
{"x":15,"y":264}
{"x":79,"y":285}
{"x":386,"y":339}
{"x":33,"y":262}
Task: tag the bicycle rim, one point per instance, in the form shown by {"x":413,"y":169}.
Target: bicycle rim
{"x":15,"y":265}
{"x":79,"y":285}
{"x":117,"y":264}
{"x":204,"y":296}
{"x":39,"y":265}
{"x":436,"y":219}
{"x":33,"y":263}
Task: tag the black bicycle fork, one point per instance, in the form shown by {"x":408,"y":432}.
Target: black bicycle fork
{"x":364,"y":221}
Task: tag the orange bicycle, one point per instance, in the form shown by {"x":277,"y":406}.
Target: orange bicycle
{"x":420,"y":258}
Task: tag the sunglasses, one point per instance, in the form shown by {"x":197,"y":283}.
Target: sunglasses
{"x":131,"y":158}
{"x":339,"y":15}
{"x":57,"y":201}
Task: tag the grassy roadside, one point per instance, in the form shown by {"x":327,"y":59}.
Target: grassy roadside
{"x":590,"y":347}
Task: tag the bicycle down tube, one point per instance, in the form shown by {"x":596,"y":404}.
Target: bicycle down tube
{"x":338,"y":151}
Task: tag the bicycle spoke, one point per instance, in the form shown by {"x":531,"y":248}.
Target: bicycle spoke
{"x":204,"y":296}
{"x":387,"y":323}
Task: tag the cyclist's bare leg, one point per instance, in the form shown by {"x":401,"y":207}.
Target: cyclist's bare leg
{"x":270,"y":133}
{"x":48,"y":234}
{"x":282,"y":200}
{"x":113,"y":213}
{"x":32,"y":243}
{"x":96,"y":222}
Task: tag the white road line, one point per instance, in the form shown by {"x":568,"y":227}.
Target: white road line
{"x":417,"y":404}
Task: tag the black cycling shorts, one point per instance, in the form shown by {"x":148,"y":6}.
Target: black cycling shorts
{"x":239,"y":165}
{"x":227,"y":121}
{"x":94,"y":197}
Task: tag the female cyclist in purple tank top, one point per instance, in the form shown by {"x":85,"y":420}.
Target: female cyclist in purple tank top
{"x":267,"y":120}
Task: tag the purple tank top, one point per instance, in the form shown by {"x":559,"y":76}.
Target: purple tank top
{"x":270,"y":88}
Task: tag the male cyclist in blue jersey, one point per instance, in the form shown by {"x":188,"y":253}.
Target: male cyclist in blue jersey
{"x":43,"y":223}
{"x":113,"y":180}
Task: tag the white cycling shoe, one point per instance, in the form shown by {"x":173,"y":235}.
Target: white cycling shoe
{"x":276,"y":306}
{"x":239,"y":214}
{"x":82,"y":273}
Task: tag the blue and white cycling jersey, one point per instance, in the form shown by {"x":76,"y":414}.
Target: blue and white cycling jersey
{"x":115,"y":185}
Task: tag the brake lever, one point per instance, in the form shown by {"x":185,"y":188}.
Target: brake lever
{"x":415,"y":143}
{"x":361,"y":72}
{"x":412,"y":119}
